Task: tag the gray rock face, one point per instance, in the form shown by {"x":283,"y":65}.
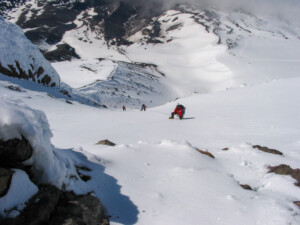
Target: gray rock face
{"x":5,"y":179}
{"x":81,"y":209}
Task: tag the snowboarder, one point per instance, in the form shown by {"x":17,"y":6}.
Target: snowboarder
{"x":124,"y":108}
{"x":143,"y":107}
{"x":179,"y":110}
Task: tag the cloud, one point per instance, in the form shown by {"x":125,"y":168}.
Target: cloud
{"x":283,"y":9}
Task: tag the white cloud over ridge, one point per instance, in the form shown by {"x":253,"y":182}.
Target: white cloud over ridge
{"x":283,"y":9}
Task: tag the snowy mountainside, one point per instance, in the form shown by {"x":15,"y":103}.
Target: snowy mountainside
{"x":19,"y":58}
{"x":199,"y":50}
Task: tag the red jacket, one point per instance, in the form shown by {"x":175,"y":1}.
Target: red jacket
{"x":178,"y":110}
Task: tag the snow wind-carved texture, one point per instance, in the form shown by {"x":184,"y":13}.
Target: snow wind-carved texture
{"x":131,"y":85}
{"x":19,"y":58}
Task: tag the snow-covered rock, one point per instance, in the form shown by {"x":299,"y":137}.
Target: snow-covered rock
{"x":21,"y":59}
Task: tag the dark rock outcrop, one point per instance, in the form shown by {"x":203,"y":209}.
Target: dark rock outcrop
{"x":62,"y":52}
{"x":5,"y":180}
{"x":286,"y":170}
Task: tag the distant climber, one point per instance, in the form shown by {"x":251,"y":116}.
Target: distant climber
{"x":124,"y":108}
{"x":179,"y":110}
{"x":143,"y":107}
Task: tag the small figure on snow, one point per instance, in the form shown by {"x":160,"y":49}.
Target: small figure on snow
{"x":124,"y":108}
{"x":143,"y":107}
{"x":179,"y":110}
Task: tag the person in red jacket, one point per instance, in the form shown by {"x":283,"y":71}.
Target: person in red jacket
{"x":179,"y":110}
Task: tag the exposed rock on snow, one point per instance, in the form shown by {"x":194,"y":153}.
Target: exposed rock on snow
{"x":14,"y":88}
{"x":268,"y":150}
{"x":286,"y":170}
{"x":106,"y":142}
{"x":205,"y":153}
{"x":81,"y":170}
{"x":22,"y":59}
{"x":246,"y":187}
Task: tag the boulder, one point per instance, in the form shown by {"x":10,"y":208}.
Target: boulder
{"x":5,"y":179}
{"x":79,"y":209}
{"x":53,"y":206}
{"x":14,"y":151}
{"x":39,"y":207}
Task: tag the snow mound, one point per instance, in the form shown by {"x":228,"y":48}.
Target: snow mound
{"x":22,"y":59}
{"x":47,"y":165}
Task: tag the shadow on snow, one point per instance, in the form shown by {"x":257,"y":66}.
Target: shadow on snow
{"x":119,"y":207}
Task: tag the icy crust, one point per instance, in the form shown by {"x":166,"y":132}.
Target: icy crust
{"x":47,"y":165}
{"x":20,"y":58}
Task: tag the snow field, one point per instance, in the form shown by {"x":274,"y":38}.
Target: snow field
{"x":78,"y":73}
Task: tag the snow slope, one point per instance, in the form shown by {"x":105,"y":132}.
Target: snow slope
{"x":21,"y":59}
{"x":159,"y":175}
